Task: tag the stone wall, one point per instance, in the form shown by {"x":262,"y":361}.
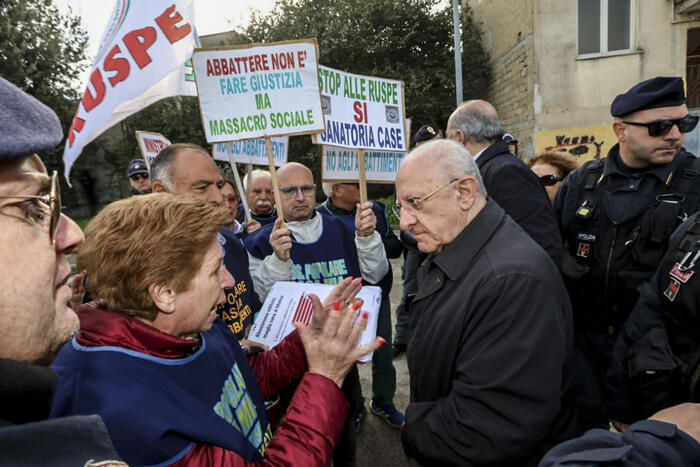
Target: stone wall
{"x":508,"y":37}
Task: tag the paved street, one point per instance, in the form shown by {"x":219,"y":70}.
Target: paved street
{"x":378,"y":443}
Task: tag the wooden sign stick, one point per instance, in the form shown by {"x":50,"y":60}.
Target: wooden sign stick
{"x":239,"y":185}
{"x":363,"y":175}
{"x":275,"y":187}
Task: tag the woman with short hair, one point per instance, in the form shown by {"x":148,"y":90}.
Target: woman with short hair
{"x":171,"y":382}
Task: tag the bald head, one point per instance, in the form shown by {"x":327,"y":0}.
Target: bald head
{"x":292,"y":178}
{"x":475,"y":124}
{"x":187,"y":169}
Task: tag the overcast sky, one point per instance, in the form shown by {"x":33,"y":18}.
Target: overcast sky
{"x":212,"y":16}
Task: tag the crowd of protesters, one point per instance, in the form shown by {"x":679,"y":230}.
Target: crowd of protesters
{"x":550,"y":311}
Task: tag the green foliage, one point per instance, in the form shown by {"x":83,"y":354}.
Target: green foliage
{"x":83,"y":222}
{"x":389,"y":201}
{"x":42,"y":52}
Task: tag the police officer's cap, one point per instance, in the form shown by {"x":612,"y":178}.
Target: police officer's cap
{"x":26,"y":125}
{"x":136,"y":166}
{"x":425,"y":133}
{"x":509,"y":139}
{"x":650,"y":94}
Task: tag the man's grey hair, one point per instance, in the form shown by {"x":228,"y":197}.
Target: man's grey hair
{"x":479,"y":122}
{"x":161,"y":167}
{"x":328,"y":189}
{"x":452,"y":159}
{"x":252,"y":175}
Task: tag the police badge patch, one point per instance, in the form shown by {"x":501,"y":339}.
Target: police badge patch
{"x":672,"y":289}
{"x":584,"y":249}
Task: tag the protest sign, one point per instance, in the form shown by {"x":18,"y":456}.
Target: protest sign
{"x":151,"y":144}
{"x":258,"y":90}
{"x":253,"y":151}
{"x":141,"y":59}
{"x":341,"y":164}
{"x":362,"y":112}
{"x":289,"y":302}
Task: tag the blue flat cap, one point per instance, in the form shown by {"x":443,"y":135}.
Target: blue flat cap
{"x":650,"y":94}
{"x":136,"y":166}
{"x":425,"y":133}
{"x":26,"y":125}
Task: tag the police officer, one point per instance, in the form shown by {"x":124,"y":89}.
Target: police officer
{"x":616,"y":215}
{"x":656,"y":358}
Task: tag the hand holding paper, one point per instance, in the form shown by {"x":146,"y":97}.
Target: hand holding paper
{"x":333,"y":351}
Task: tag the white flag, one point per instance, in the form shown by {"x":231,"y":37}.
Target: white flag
{"x":143,"y":57}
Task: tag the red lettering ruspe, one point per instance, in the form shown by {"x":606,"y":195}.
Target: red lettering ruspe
{"x":75,"y":127}
{"x":90,"y":101}
{"x":138,"y":42}
{"x":168,"y":24}
{"x":119,"y":64}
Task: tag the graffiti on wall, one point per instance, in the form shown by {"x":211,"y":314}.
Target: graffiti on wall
{"x":585,"y":143}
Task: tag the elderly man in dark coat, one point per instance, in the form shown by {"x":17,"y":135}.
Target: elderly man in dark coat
{"x":491,"y":327}
{"x":477,"y":126}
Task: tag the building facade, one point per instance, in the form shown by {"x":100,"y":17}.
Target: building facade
{"x":558,"y":64}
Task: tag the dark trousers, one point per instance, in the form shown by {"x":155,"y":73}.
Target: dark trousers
{"x":592,"y":353}
{"x":383,"y":371}
{"x":409,"y":273}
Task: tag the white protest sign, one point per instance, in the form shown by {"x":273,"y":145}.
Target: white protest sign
{"x":341,"y":164}
{"x":289,"y":302}
{"x":253,"y":151}
{"x":362,"y":112}
{"x":151,"y":144}
{"x":141,"y":59}
{"x":259,"y":90}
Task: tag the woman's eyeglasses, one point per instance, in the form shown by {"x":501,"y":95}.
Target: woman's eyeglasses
{"x":549,"y":180}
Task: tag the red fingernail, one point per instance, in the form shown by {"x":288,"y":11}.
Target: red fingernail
{"x":382,"y":341}
{"x":355,"y":305}
{"x":365,"y":314}
{"x":336,"y":306}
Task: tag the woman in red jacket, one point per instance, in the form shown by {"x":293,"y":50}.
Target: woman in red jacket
{"x":172,"y":384}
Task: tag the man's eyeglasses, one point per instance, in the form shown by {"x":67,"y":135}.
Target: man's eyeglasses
{"x":414,"y":204}
{"x":47,"y":208}
{"x":137,"y":177}
{"x":662,"y":127}
{"x":549,"y":180}
{"x":291,"y":191}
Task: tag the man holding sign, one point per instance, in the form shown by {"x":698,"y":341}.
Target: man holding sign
{"x":321,"y":249}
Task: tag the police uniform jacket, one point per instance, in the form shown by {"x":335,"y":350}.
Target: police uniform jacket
{"x":616,"y":222}
{"x":656,"y":359}
{"x":521,"y":194}
{"x":489,"y":353}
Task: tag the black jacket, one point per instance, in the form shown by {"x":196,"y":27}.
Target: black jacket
{"x":521,"y":194}
{"x":489,"y":351}
{"x":28,"y":439}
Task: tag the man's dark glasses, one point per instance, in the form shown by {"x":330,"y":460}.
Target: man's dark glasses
{"x":137,"y":177}
{"x":549,"y":180}
{"x":662,"y":127}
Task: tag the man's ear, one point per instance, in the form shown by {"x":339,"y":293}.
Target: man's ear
{"x":163,"y":297}
{"x":619,"y":129}
{"x":467,"y":187}
{"x":158,"y":187}
{"x":461,"y":137}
